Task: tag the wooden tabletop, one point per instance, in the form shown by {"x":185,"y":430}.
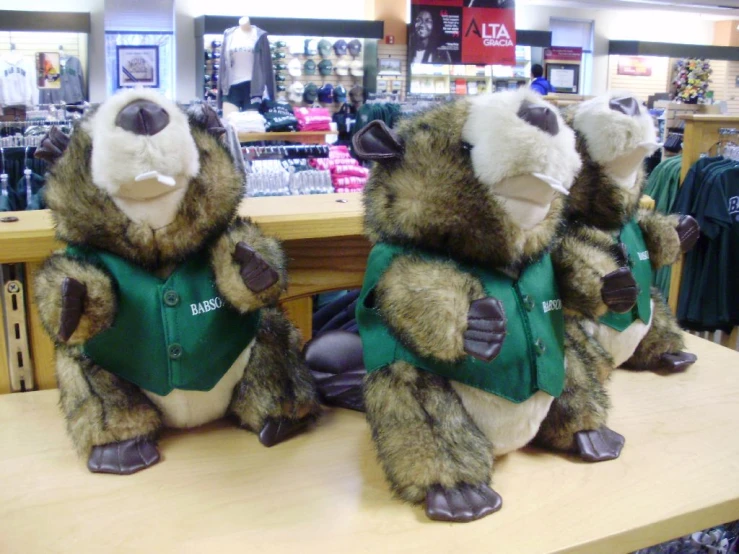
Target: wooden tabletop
{"x":31,"y":238}
{"x":218,"y":490}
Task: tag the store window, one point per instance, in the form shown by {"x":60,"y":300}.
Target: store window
{"x":578,"y":33}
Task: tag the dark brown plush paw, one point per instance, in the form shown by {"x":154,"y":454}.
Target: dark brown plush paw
{"x":688,"y":232}
{"x":462,"y":503}
{"x":123,"y":458}
{"x":486,"y":329}
{"x":73,"y":299}
{"x":669,"y":361}
{"x":599,"y":445}
{"x":257,"y":274}
{"x":335,"y":361}
{"x":619,"y":290}
{"x":278,"y":429}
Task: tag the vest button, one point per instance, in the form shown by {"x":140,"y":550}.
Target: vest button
{"x":528,"y":302}
{"x":174,"y":351}
{"x":540,"y":347}
{"x":171,"y":298}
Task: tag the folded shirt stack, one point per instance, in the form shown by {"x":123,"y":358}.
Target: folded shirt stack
{"x":279,"y":116}
{"x":249,"y":121}
{"x":346,"y":173}
{"x":312,"y":119}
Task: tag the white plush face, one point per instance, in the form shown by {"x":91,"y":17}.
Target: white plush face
{"x":146,"y":175}
{"x":524,"y":165}
{"x":617,"y":141}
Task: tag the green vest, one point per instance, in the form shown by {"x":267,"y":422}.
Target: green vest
{"x":175,"y":333}
{"x":641,"y":267}
{"x":532,"y":356}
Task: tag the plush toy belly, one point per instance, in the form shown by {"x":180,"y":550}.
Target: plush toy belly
{"x":621,"y":345}
{"x":508,"y":425}
{"x":190,"y":408}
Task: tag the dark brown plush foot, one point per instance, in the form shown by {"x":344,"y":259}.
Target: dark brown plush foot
{"x":123,"y":458}
{"x":278,"y":429}
{"x":461,"y":504}
{"x":669,"y":361}
{"x":335,"y":361}
{"x":599,"y":445}
{"x":619,"y":290}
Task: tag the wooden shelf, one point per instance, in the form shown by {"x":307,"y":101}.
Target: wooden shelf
{"x":305,"y":137}
{"x":31,"y":238}
{"x":218,"y":489}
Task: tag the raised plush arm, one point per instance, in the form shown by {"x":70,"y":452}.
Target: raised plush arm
{"x":250,"y":268}
{"x":590,"y":276}
{"x":75,"y":299}
{"x":439,"y":311}
{"x":667,"y":236}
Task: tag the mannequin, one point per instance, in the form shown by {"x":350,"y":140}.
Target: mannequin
{"x":246,"y":67}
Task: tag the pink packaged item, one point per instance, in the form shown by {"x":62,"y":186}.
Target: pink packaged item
{"x":344,"y":170}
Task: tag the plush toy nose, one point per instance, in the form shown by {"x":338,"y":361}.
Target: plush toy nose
{"x":539,"y":116}
{"x":626,"y":105}
{"x":142,"y":117}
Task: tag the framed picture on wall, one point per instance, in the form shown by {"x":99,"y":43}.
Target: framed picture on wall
{"x":137,"y":66}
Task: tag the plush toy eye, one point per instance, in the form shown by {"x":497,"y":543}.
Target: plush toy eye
{"x":466,"y":147}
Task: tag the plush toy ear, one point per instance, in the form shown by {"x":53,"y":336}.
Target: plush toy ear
{"x":627,"y":105}
{"x":207,"y":119}
{"x":52,"y":146}
{"x":376,"y":141}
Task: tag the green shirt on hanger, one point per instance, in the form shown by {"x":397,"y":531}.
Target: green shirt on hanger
{"x":641,"y":267}
{"x":173,"y":333}
{"x":532,"y":356}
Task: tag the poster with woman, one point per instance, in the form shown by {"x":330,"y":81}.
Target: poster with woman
{"x":478,"y":32}
{"x":435,"y":34}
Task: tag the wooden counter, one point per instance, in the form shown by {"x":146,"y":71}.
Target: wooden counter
{"x":218,"y":490}
{"x":321,"y":234}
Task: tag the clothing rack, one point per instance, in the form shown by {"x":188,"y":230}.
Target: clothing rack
{"x":28,"y":132}
{"x":287,"y":152}
{"x":702,"y":134}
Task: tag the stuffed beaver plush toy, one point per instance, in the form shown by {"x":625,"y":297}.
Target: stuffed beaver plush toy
{"x":162,"y":306}
{"x":461,"y":316}
{"x":614,"y":135}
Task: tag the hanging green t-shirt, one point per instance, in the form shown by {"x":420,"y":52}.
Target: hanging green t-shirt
{"x":532,"y":356}
{"x":641,"y":267}
{"x":173,"y":333}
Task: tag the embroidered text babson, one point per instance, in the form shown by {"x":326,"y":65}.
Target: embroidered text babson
{"x":207,"y":306}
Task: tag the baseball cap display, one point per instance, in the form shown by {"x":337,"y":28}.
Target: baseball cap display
{"x":325,"y":67}
{"x":326,"y":93}
{"x":296,"y":45}
{"x":310,"y":47}
{"x":280,"y":78}
{"x":355,"y":47}
{"x":310,"y":93}
{"x":324,"y":48}
{"x":356,"y":95}
{"x":279,"y":66}
{"x":215,"y":44}
{"x":294,"y":67}
{"x":310,"y":67}
{"x":281,"y":88}
{"x":278,"y":55}
{"x":295,"y":92}
{"x":342,"y":67}
{"x":216,"y":54}
{"x":340,"y":47}
{"x":356,"y":68}
{"x":280,"y":44}
{"x":340,"y":94}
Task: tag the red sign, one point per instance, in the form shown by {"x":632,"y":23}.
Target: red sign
{"x":635,"y":66}
{"x":462,"y":32}
{"x":563,"y":54}
{"x":488,"y":36}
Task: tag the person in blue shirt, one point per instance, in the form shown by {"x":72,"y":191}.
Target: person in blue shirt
{"x":540,"y":84}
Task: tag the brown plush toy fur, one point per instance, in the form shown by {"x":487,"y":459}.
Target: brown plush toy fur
{"x":439,"y":185}
{"x":613,"y":136}
{"x":114,"y":422}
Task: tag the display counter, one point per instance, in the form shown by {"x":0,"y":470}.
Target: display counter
{"x":218,"y":490}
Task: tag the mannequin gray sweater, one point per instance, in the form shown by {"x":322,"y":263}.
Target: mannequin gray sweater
{"x":263,"y":75}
